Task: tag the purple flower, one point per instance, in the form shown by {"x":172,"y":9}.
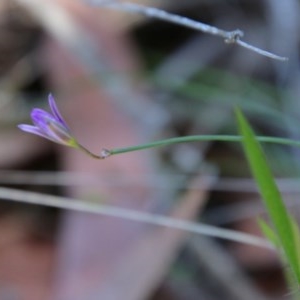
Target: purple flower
{"x":50,"y":126}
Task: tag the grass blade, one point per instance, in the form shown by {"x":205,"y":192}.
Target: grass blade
{"x":284,"y":227}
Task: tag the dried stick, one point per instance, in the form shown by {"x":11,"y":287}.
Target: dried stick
{"x":9,"y":194}
{"x":230,"y":37}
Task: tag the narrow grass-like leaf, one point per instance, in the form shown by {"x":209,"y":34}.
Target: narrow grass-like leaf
{"x":273,"y":238}
{"x":296,"y":236}
{"x":270,"y":194}
{"x":291,"y":278}
{"x":269,"y":233}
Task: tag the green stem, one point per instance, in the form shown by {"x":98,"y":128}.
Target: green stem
{"x":201,"y":138}
{"x":88,"y":152}
{"x":187,"y":139}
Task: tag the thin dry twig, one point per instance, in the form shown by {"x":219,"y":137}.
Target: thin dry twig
{"x":230,"y":37}
{"x":129,"y":214}
{"x":158,"y":181}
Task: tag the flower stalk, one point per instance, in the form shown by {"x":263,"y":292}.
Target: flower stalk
{"x":54,"y":128}
{"x":203,"y":138}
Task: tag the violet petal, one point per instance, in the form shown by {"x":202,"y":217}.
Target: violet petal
{"x":34,"y":130}
{"x":60,"y":134}
{"x":55,"y":110}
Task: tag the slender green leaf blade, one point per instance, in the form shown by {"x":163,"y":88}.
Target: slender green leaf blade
{"x":273,"y":238}
{"x":269,"y":192}
{"x":269,"y":233}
